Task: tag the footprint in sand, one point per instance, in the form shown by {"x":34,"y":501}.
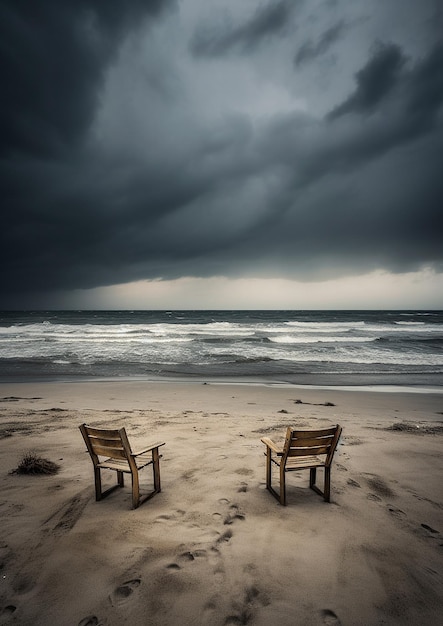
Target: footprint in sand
{"x":225,"y":537}
{"x":378,"y":485}
{"x":352,"y":482}
{"x":242,"y":618}
{"x":372,"y":496}
{"x":186,"y":556}
{"x":210,"y":549}
{"x":232,"y":513}
{"x":429,"y":529}
{"x":244,"y":608}
{"x":178,"y":513}
{"x":6,"y":612}
{"x":173,"y":566}
{"x":396,"y":512}
{"x":330,"y":618}
{"x":244,"y":471}
{"x":189,"y":556}
{"x":123,"y":593}
{"x":90,"y":620}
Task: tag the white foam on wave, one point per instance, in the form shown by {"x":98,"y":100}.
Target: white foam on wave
{"x":152,"y":343}
{"x":292,"y":339}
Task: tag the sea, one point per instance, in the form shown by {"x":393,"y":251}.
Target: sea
{"x":319,"y":348}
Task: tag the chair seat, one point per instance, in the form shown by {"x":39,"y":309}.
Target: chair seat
{"x":121,"y":465}
{"x":305,"y":462}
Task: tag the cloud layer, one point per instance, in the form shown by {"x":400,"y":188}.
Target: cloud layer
{"x":158,"y":140}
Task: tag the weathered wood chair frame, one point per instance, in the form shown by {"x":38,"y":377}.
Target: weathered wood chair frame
{"x":303,"y":449}
{"x":119,"y":457}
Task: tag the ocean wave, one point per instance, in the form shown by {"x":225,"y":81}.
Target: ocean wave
{"x":290,"y":339}
{"x":229,"y":343}
{"x":359,"y":358}
{"x":258,"y":359}
{"x":326,"y":325}
{"x":216,"y":340}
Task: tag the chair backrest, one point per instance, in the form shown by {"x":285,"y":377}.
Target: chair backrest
{"x":311,"y":443}
{"x":112,"y":444}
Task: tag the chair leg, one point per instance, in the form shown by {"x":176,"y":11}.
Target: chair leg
{"x":327,"y":490}
{"x":99,"y":493}
{"x":98,"y":484}
{"x":268,"y":470}
{"x":282,"y":485}
{"x":312,"y":480}
{"x":156,"y":470}
{"x":269,"y":486}
{"x":312,"y":477}
{"x":135,"y":490}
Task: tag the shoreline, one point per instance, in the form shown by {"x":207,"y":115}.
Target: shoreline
{"x":256,"y":399}
{"x":238,"y":380}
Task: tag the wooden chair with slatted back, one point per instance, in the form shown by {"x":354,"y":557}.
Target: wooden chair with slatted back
{"x":111,"y":450}
{"x":302,"y":449}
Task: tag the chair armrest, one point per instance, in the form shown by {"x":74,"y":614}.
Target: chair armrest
{"x":151,"y":447}
{"x":270,"y":444}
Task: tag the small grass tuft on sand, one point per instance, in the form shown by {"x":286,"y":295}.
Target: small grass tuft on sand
{"x":421,"y":429}
{"x":31,"y":463}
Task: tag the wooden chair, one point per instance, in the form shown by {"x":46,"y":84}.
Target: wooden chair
{"x":110,"y":449}
{"x":303,"y":449}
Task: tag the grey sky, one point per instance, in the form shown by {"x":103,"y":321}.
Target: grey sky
{"x":274,"y":139}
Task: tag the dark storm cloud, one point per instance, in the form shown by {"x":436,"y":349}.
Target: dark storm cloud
{"x":407,"y":101}
{"x":53,"y":56}
{"x":94,"y":193}
{"x":395,"y":215}
{"x":309,"y":50}
{"x":374,"y":81}
{"x":384,"y":205}
{"x":268,"y":21}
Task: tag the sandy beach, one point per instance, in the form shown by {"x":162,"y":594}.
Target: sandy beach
{"x":214,"y":547}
